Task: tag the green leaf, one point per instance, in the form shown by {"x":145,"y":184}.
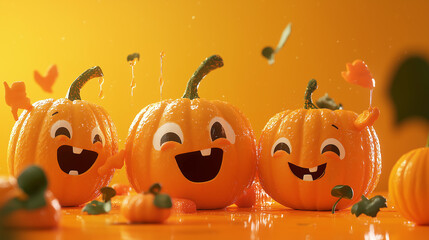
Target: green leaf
{"x":344,"y":191}
{"x":11,"y":206}
{"x":33,"y":180}
{"x":107,"y":193}
{"x":284,"y":37}
{"x":341,"y":191}
{"x":268,"y":53}
{"x":328,"y":102}
{"x":369,"y":207}
{"x":96,"y":207}
{"x":409,"y":89}
{"x":162,"y":201}
{"x":133,"y":56}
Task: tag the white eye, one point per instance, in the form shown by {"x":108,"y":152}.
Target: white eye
{"x":167,"y":133}
{"x":333,"y":145}
{"x":97,"y":135}
{"x":220,"y":128}
{"x":61,"y":127}
{"x":282,"y":144}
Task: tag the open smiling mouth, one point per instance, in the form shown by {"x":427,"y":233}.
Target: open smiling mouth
{"x":200,"y":166}
{"x":308,"y":174}
{"x":75,"y":161}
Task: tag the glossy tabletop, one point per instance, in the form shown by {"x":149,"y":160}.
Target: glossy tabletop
{"x":269,"y":222}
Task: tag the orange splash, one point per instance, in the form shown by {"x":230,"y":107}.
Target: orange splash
{"x":16,"y":98}
{"x":47,"y":82}
{"x":100,"y":82}
{"x":161,"y":79}
{"x":133,"y":83}
{"x":358,"y":73}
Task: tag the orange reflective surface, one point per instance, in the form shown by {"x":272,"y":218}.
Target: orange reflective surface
{"x":273,"y":222}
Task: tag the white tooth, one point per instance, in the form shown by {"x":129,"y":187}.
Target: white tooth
{"x":74,"y":172}
{"x":307,"y":177}
{"x":314,"y":169}
{"x":77,"y":150}
{"x":206,"y":152}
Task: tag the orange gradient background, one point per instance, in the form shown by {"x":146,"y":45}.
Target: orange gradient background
{"x":77,"y":35}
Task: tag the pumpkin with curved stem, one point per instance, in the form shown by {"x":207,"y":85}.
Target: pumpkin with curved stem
{"x":409,"y":185}
{"x":71,"y":139}
{"x":304,"y":153}
{"x":198,"y":149}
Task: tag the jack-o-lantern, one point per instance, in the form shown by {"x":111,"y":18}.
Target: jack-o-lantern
{"x":71,"y":139}
{"x":198,"y":149}
{"x":304,"y":153}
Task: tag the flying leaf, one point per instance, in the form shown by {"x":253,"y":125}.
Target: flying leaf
{"x":328,"y":102}
{"x":47,"y":81}
{"x":369,"y":207}
{"x":358,"y":73}
{"x":409,"y":89}
{"x":269,"y":52}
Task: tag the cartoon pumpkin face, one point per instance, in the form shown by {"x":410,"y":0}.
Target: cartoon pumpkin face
{"x":304,"y":153}
{"x":70,"y":139}
{"x":197,"y":149}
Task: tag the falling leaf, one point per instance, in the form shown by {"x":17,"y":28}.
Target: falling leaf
{"x":16,"y":98}
{"x":47,"y":81}
{"x":409,"y":89}
{"x":369,"y":207}
{"x":269,"y":52}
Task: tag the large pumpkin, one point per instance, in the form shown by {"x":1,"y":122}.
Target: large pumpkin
{"x":70,"y":139}
{"x":198,"y":149}
{"x":409,"y":185}
{"x":304,"y":153}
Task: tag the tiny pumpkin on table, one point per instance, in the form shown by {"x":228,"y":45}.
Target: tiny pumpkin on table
{"x":148,"y":207}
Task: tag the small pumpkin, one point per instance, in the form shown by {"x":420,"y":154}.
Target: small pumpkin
{"x":409,"y":185}
{"x":199,"y":149}
{"x":71,"y":139}
{"x":149,"y":207}
{"x":304,"y":153}
{"x":28,"y":215}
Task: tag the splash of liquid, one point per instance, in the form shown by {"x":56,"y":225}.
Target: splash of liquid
{"x":370,"y":98}
{"x":133,"y":83}
{"x":161,"y":79}
{"x":100,"y":82}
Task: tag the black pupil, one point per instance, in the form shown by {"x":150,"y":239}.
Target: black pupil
{"x":97,"y":138}
{"x":331,"y":148}
{"x":62,"y":131}
{"x":282,"y":146}
{"x":170,"y":136}
{"x":217,"y":131}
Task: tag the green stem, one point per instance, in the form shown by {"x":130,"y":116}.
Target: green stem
{"x":74,"y":90}
{"x":335,"y":205}
{"x":211,"y":63}
{"x":311,"y":87}
{"x":155,"y":188}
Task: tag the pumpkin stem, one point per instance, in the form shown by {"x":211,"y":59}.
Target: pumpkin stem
{"x":74,"y":90}
{"x":211,"y":63}
{"x":335,"y":205}
{"x":311,"y":87}
{"x":155,"y":188}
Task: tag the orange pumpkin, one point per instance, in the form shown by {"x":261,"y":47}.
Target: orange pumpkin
{"x":70,"y":139}
{"x":304,"y":153}
{"x":47,"y":216}
{"x":409,"y":185}
{"x":146,"y":208}
{"x":198,"y":149}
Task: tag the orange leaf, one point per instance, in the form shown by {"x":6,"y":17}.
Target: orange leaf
{"x":16,"y":97}
{"x":47,"y":82}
